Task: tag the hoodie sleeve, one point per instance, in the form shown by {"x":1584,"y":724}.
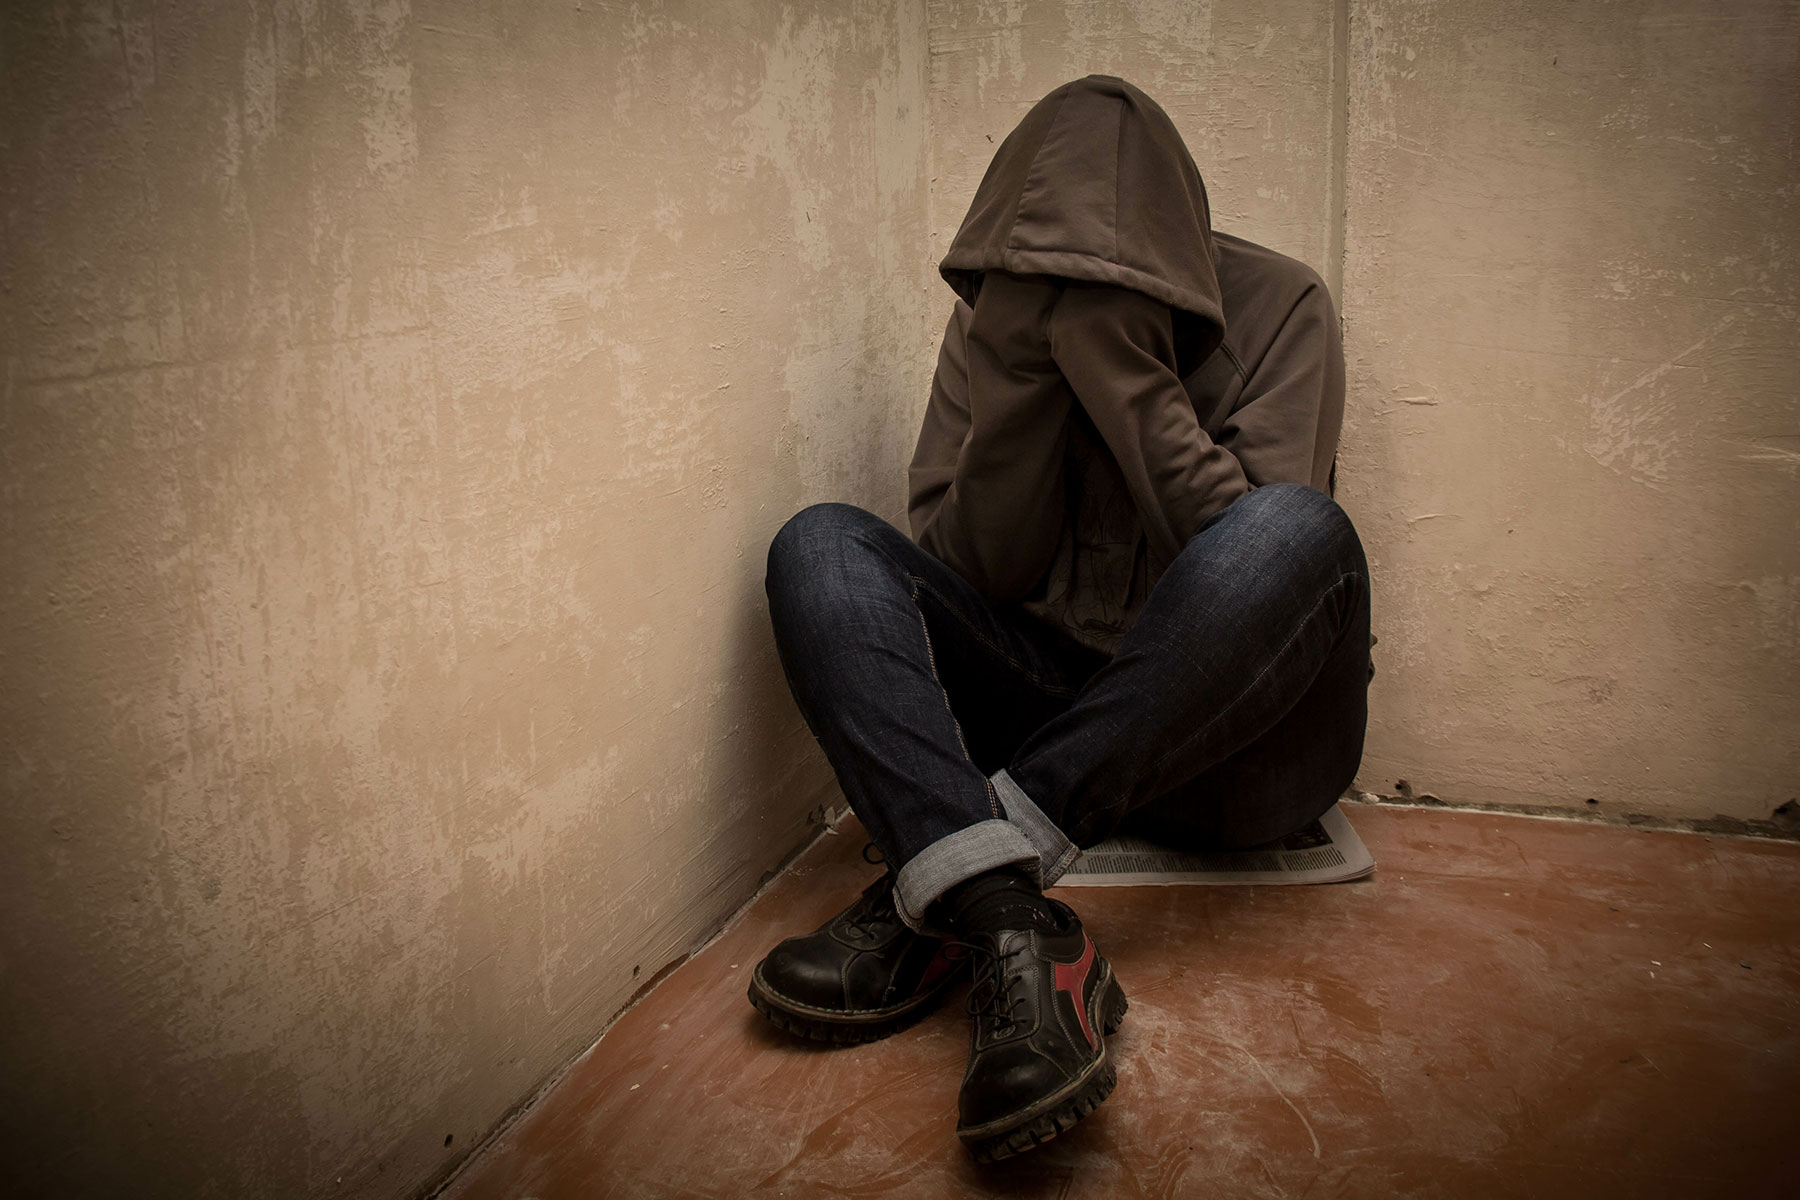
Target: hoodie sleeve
{"x":1116,"y":347}
{"x":986,"y":482}
{"x":1286,"y":423}
{"x":946,"y":426}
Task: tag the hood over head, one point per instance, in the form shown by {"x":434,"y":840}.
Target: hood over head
{"x":1096,"y":185}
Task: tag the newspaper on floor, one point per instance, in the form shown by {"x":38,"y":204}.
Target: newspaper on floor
{"x":1327,"y":851}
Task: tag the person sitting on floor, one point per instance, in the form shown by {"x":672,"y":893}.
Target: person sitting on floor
{"x":1129,"y":602}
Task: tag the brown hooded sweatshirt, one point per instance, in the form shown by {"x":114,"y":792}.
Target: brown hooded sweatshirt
{"x":1114,"y":373}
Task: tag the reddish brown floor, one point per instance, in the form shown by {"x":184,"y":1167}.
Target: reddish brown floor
{"x":1509,"y":1007}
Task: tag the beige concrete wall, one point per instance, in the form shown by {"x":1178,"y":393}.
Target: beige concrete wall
{"x":1573,"y":449}
{"x":1255,"y":89}
{"x":398,"y":402}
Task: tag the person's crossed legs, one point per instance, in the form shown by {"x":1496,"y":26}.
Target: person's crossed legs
{"x":979,"y":747}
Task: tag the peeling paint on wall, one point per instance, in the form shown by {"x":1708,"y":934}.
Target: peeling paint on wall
{"x":399,"y":400}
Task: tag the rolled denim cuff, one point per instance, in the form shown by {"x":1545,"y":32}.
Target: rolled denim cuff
{"x":1056,"y":853}
{"x":950,"y":860}
{"x":1026,"y":837}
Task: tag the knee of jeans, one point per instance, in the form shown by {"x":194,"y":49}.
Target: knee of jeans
{"x":813,"y":539}
{"x":1305,"y":515}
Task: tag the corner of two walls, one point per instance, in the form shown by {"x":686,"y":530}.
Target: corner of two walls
{"x":1562,"y":239}
{"x":399,"y":401}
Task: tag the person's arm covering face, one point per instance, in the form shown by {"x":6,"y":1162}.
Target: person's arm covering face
{"x":987,"y":477}
{"x":1116,"y":348}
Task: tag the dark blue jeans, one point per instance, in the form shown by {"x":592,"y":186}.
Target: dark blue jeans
{"x":966,"y":734}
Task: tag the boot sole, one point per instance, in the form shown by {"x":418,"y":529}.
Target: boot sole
{"x":1042,"y":1120}
{"x":838,"y":1028}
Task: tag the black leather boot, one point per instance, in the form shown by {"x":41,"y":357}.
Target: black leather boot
{"x":1044,"y":1001}
{"x":860,"y":976}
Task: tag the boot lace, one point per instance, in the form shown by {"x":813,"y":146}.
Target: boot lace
{"x":991,"y":999}
{"x":875,"y":907}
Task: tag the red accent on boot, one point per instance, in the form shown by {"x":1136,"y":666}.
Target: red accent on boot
{"x":1070,"y":977}
{"x":940,"y":964}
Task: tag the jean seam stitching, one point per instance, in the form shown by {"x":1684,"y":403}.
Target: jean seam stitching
{"x":1174,"y":751}
{"x":931,"y":659}
{"x":1035,"y":679}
